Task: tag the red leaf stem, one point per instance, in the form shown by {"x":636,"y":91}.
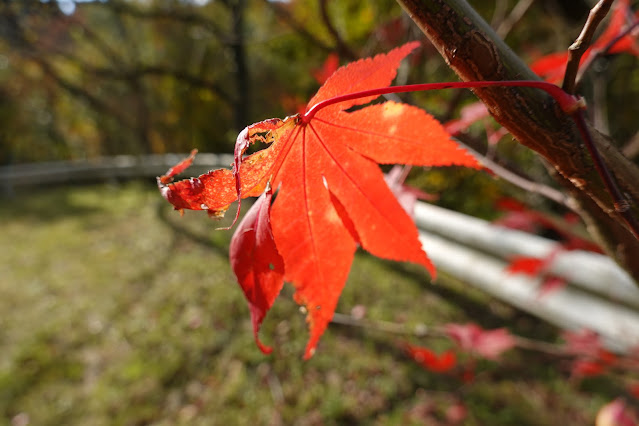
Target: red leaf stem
{"x":567,"y":102}
{"x":621,"y":204}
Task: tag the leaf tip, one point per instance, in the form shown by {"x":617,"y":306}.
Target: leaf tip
{"x":266,"y":350}
{"x":308,"y":353}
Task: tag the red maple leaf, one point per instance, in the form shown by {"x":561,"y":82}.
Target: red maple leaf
{"x":486,"y":343}
{"x":583,"y":342}
{"x":331,"y":195}
{"x":438,"y":363}
{"x":328,"y":68}
{"x":526,"y":265}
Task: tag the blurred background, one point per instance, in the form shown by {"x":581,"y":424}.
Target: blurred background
{"x":116,"y":310}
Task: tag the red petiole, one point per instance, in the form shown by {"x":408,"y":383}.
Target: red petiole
{"x":567,"y":102}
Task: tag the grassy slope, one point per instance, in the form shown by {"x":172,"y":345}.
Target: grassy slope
{"x":115,"y":310}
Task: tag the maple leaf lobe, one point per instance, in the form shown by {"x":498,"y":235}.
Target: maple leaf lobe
{"x":256,"y":262}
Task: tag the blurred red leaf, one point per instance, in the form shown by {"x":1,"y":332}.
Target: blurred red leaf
{"x":329,"y":66}
{"x":525,"y":265}
{"x":621,"y":15}
{"x":586,"y":368}
{"x":551,"y":284}
{"x":393,"y":31}
{"x":406,"y":195}
{"x":582,"y":342}
{"x":432,"y":361}
{"x":489,"y":344}
{"x":468,"y":375}
{"x":467,"y":116}
{"x":551,"y":67}
{"x":606,"y":357}
{"x":616,"y":413}
{"x":511,"y":205}
{"x":456,"y":413}
{"x":521,"y":217}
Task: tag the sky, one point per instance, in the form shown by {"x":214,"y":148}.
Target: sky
{"x":68,"y":6}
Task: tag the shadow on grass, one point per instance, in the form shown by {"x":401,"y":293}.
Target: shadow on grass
{"x":217,"y":245}
{"x":45,"y":205}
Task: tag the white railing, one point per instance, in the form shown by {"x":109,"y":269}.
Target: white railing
{"x":600,"y":296}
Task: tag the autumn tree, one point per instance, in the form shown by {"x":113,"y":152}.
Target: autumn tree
{"x":331,"y":197}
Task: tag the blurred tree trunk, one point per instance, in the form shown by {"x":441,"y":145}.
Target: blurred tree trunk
{"x":473,"y":50}
{"x":242,"y":104}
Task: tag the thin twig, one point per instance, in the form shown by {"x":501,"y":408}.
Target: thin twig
{"x":579,"y":47}
{"x":422,"y":330}
{"x":631,"y":148}
{"x":523,"y":183}
{"x":540,"y":346}
{"x":499,"y":13}
{"x":597,"y":53}
{"x":385,"y":326}
{"x":515,"y":16}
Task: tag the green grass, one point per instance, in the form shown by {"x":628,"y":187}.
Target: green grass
{"x":117,"y":311}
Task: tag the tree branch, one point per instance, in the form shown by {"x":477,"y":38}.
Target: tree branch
{"x":343,"y":49}
{"x":515,"y":16}
{"x":283,"y":14}
{"x":631,"y":148}
{"x":520,"y":181}
{"x":475,"y":52}
{"x":139,"y":71}
{"x":173,"y":14}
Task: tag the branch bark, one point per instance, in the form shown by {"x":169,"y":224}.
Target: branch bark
{"x":473,"y":50}
{"x":579,"y":47}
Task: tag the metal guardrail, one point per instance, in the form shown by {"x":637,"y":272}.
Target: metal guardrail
{"x":600,"y":296}
{"x":103,"y":169}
